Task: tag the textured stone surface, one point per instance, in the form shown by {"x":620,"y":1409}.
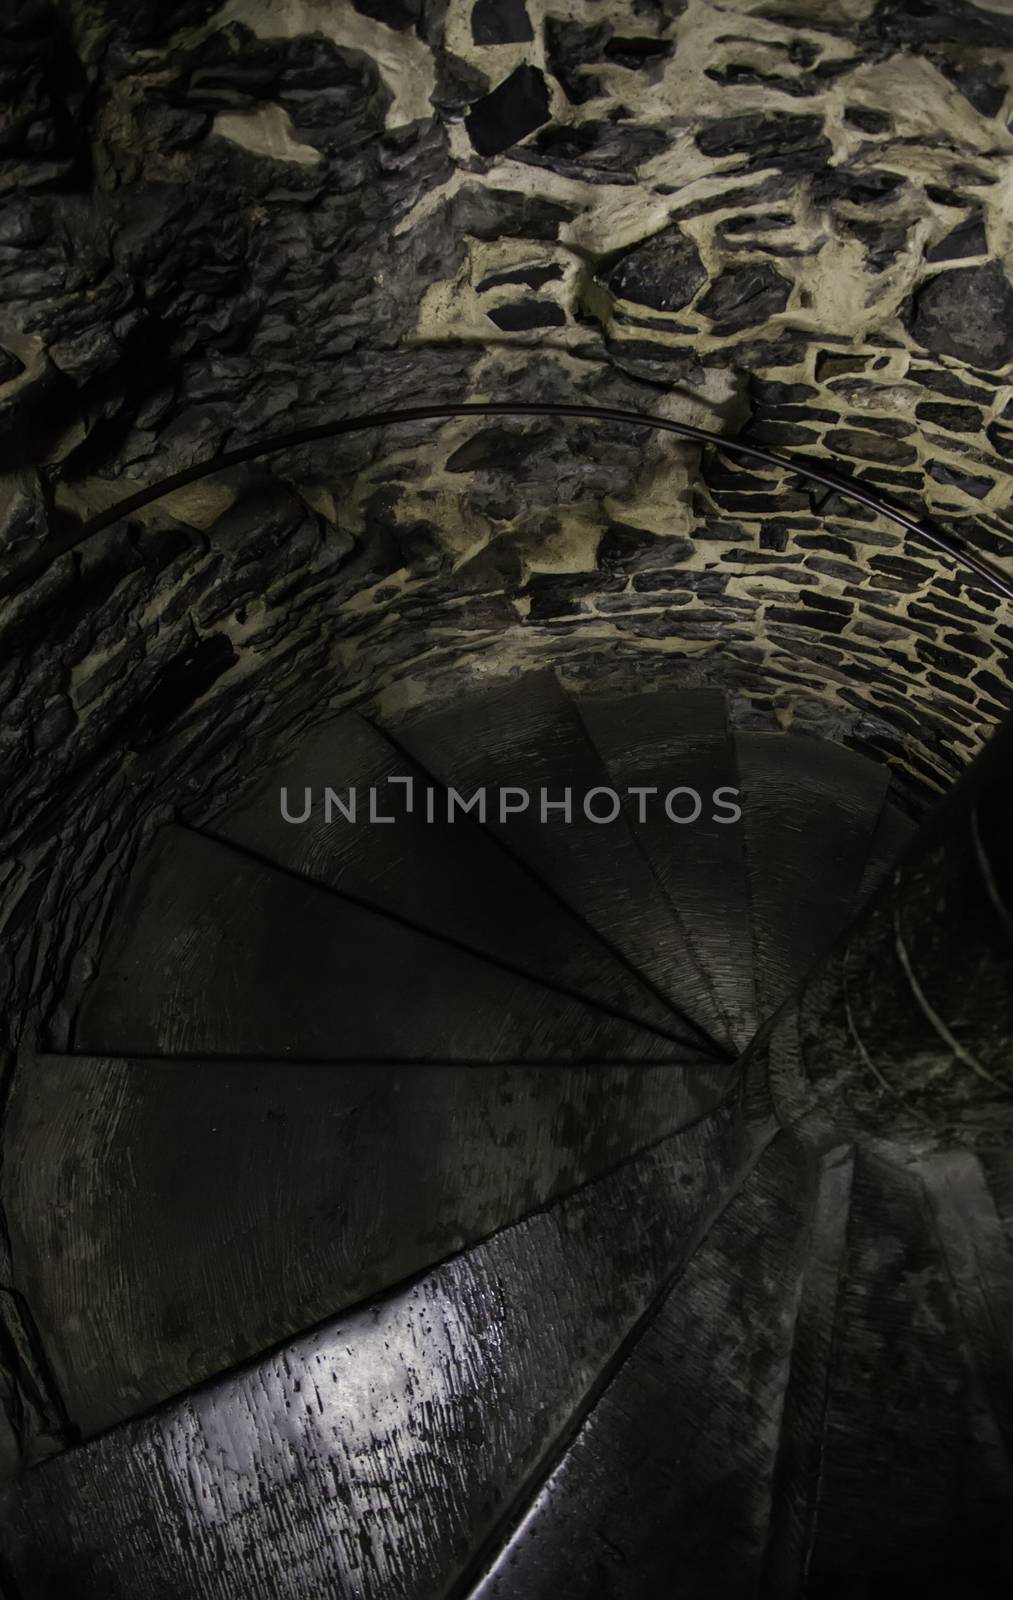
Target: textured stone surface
{"x":968,"y":315}
{"x":664,"y":273}
{"x":223,"y":227}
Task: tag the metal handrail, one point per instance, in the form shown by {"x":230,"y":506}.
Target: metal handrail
{"x":39,"y":563}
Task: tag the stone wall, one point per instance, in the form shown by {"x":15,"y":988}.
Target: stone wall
{"x":785,"y":219}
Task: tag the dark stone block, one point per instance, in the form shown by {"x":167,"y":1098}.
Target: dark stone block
{"x":776,"y":501}
{"x":780,"y":435}
{"x":1002,"y":443}
{"x":488,"y":214}
{"x":682,"y":582}
{"x":776,"y":138}
{"x":858,"y":188}
{"x":493,"y":448}
{"x":958,"y":419}
{"x":943,"y":382}
{"x":843,"y":571}
{"x":998,"y":688}
{"x":10,"y":366}
{"x":948,"y":197}
{"x":785,"y":349}
{"x":799,"y":413}
{"x":524,"y":314}
{"x":659,"y":12}
{"x":744,"y":296}
{"x":724,"y":473}
{"x":778,"y":186}
{"x":331,"y":94}
{"x":831,"y":504}
{"x":889,"y":425}
{"x":664,"y":273}
{"x":950,"y":688}
{"x":825,"y":602}
{"x":655,"y":363}
{"x":515,"y":108}
{"x":967,"y":313}
{"x":626,"y":549}
{"x":774,"y":536}
{"x":566,"y":594}
{"x":969,"y":645}
{"x":946,"y":609}
{"x":869,"y":446}
{"x":754,"y":223}
{"x":398,"y":14}
{"x":831,"y":365}
{"x":874,"y":476}
{"x":769,"y":393}
{"x":500,"y":22}
{"x":826,"y":541}
{"x":606,"y":151}
{"x":799,"y":617}
{"x":867,"y":120}
{"x":883,"y":241}
{"x":966,"y":239}
{"x":458,"y":83}
{"x":920,"y":23}
{"x":916,"y":572}
{"x":969,"y":483}
{"x":571,"y":46}
{"x":981,"y":82}
{"x":951,"y":661}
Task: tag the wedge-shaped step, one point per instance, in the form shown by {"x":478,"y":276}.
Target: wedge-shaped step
{"x":903,"y":1475}
{"x":671,"y":742}
{"x":209,"y":1210}
{"x":376,"y":1456}
{"x":666,"y":1488}
{"x":527,"y":736}
{"x":810,"y":810}
{"x":427,"y":861}
{"x":215,"y":953}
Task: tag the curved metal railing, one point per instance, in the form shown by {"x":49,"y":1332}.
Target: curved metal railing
{"x":60,"y":545}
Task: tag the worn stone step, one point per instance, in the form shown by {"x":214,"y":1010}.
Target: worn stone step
{"x":216,"y":953}
{"x":679,"y":738}
{"x":528,"y":733}
{"x":207,"y":1210}
{"x":452,"y":878}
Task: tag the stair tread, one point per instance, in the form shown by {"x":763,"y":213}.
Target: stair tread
{"x":211,"y":1209}
{"x":672,"y":1468}
{"x":452,"y":878}
{"x":910,"y":1459}
{"x":679,"y":737}
{"x":326,"y":978}
{"x":810,"y":810}
{"x":527,"y":733}
{"x":427,"y":1412}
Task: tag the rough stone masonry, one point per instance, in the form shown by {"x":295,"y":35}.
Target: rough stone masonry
{"x":788,"y":219}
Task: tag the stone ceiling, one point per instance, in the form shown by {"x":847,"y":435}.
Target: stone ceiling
{"x":787,"y":219}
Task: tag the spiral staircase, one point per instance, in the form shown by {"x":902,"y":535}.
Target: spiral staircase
{"x":421,"y":1210}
